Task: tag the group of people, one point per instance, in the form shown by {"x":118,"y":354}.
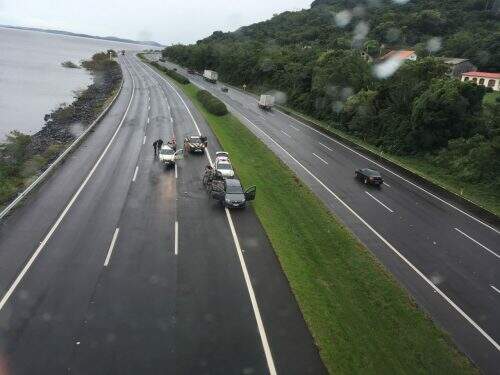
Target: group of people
{"x":159,"y":142}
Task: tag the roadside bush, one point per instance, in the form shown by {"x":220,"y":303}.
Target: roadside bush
{"x":171,"y":73}
{"x":211,"y":103}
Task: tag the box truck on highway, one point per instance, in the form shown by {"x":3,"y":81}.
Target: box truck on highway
{"x":210,"y":76}
{"x":266,"y":102}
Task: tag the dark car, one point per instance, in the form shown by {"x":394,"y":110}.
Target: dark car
{"x":224,"y":89}
{"x":190,"y":71}
{"x":232,"y":195}
{"x":369,"y":176}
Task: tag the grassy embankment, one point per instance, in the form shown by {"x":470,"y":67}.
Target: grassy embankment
{"x":361,"y":319}
{"x":484,"y":195}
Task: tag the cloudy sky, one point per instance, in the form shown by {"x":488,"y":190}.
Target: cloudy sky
{"x":165,"y":21}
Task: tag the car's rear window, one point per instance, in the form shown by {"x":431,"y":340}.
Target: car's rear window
{"x":224,"y":166}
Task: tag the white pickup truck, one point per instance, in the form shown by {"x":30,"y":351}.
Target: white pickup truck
{"x":168,"y":155}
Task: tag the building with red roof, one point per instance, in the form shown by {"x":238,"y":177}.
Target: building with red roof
{"x":487,"y":79}
{"x":400,"y":55}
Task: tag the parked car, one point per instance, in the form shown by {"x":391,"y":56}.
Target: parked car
{"x":369,"y":176}
{"x":167,"y":155}
{"x":224,"y":89}
{"x":190,"y":71}
{"x":223,"y":165}
{"x":231,"y":194}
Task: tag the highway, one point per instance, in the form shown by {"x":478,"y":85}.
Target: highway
{"x":116,"y":265}
{"x":446,"y":258}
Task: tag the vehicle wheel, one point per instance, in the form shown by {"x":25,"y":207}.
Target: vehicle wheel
{"x":365,"y":181}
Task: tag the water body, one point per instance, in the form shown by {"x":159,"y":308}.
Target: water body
{"x":32,"y":80}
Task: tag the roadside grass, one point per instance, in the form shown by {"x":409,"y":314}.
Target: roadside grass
{"x":362,"y":321}
{"x":483,"y":195}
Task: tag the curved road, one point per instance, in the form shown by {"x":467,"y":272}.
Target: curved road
{"x":448,"y":259}
{"x":118,"y":266}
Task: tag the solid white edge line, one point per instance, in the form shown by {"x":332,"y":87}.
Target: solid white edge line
{"x":253,"y":300}
{"x":135,"y":173}
{"x":477,"y":242}
{"x":320,"y":158}
{"x":387,"y":243}
{"x":379,"y":202}
{"x":111,"y":247}
{"x":395,"y":174}
{"x":325,"y":146}
{"x":386,"y":184}
{"x":495,"y":289}
{"x":176,"y":237}
{"x":40,"y":247}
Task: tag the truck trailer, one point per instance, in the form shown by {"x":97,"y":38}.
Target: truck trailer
{"x":210,"y":76}
{"x":266,"y":102}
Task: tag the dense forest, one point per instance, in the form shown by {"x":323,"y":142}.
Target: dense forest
{"x":318,"y":58}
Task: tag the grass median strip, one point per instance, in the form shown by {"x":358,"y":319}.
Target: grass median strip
{"x":361,"y":320}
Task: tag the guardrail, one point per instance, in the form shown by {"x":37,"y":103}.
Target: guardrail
{"x":60,"y":158}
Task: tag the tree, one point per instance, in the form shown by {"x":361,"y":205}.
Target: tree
{"x":446,"y":110}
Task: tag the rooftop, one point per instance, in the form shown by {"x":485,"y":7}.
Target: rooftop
{"x":401,"y":54}
{"x":482,"y":75}
{"x":453,"y":60}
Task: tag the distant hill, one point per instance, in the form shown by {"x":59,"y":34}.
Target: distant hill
{"x":110,"y":38}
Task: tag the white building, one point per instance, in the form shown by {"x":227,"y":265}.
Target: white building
{"x":485,"y":79}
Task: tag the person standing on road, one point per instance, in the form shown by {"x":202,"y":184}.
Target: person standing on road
{"x":155,"y":148}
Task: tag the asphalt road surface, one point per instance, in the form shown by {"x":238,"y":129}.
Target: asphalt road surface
{"x":117,"y":265}
{"x":447,"y":259}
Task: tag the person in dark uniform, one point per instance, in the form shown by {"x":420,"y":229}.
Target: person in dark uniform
{"x":157,"y":146}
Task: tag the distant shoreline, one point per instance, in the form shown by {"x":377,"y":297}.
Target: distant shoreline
{"x":87,"y":36}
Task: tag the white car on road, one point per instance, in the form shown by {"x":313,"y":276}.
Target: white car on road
{"x":223,"y":165}
{"x":168,"y":155}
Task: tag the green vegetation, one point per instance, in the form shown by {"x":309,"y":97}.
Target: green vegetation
{"x":23,"y":157}
{"x":171,"y":73}
{"x":211,"y":103}
{"x":69,"y":64}
{"x":361,"y":320}
{"x":318,"y":59}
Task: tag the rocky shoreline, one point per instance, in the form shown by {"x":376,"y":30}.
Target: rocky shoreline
{"x":83,"y":111}
{"x":23,"y":157}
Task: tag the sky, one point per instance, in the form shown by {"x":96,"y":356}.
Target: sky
{"x":164,"y":21}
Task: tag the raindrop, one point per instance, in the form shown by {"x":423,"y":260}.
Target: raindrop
{"x":433,"y":44}
{"x":337,"y":106}
{"x":386,"y":68}
{"x":343,"y":18}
